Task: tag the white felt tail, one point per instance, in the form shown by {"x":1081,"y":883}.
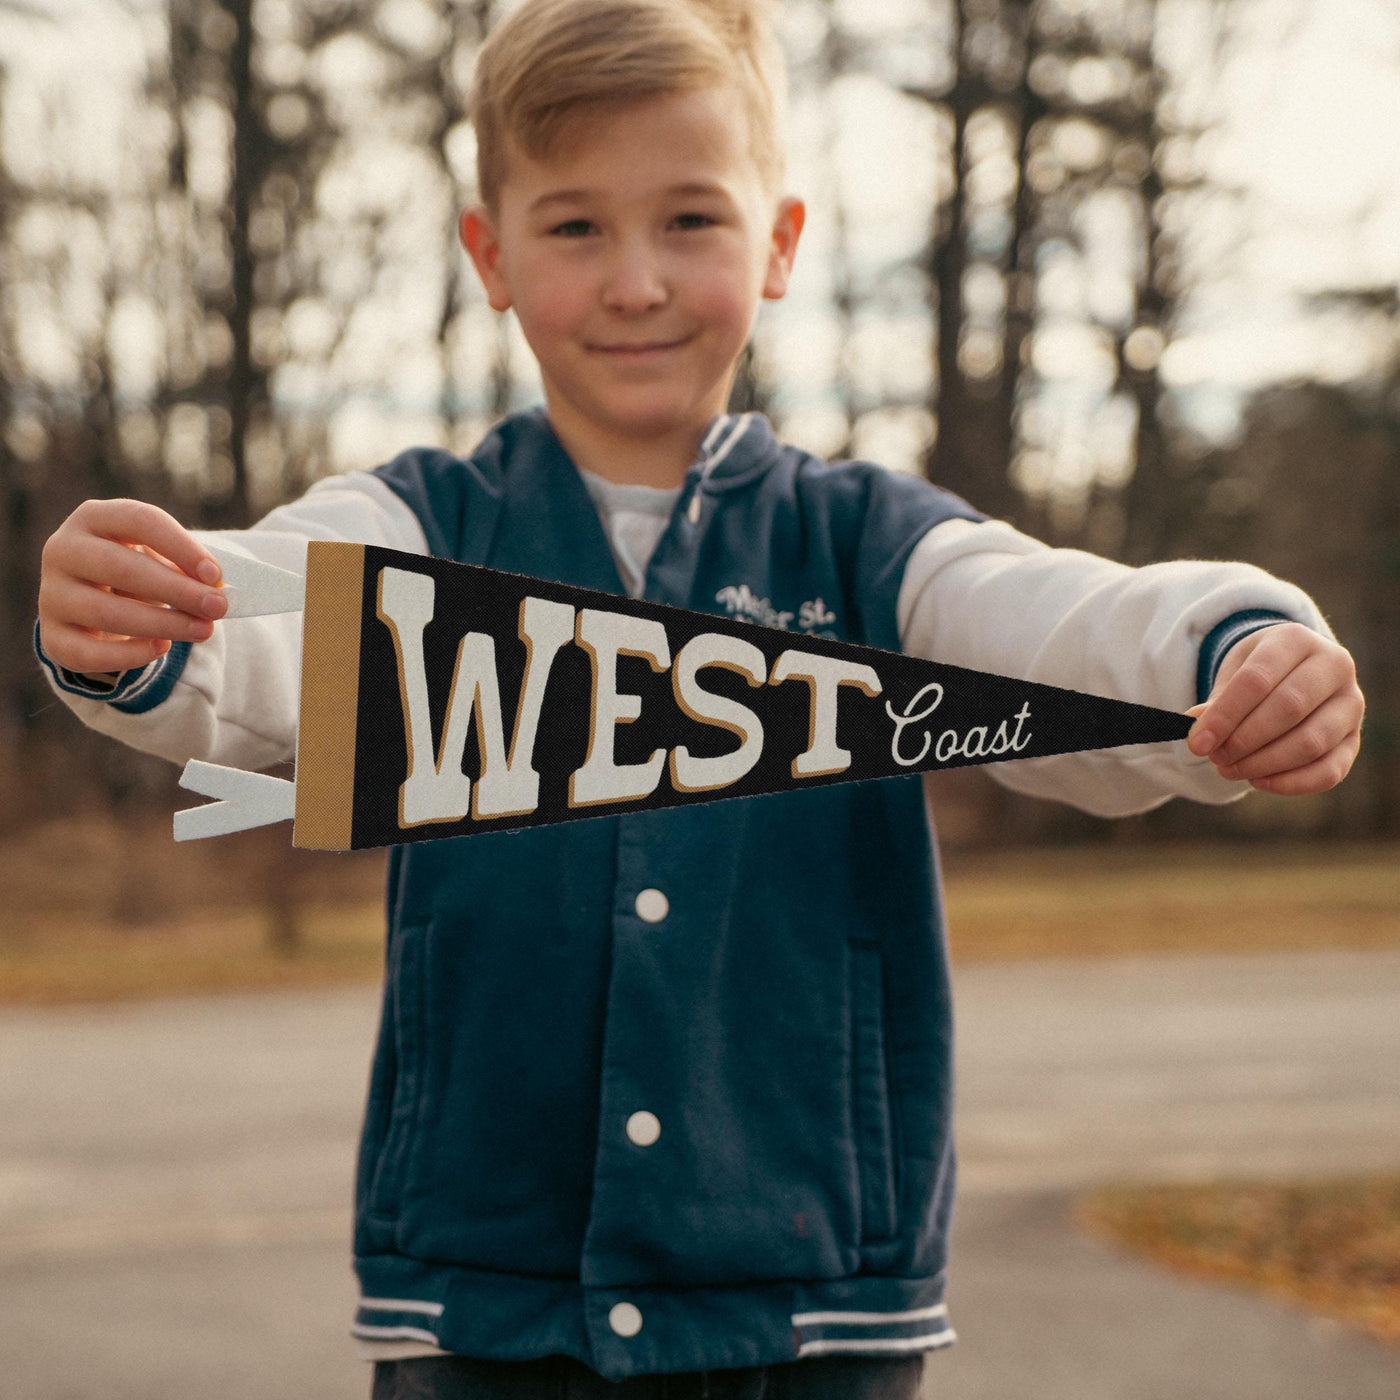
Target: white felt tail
{"x":247,"y":800}
{"x":255,"y":589}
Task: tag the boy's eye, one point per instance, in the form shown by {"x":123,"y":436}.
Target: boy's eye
{"x":573,"y":228}
{"x":694,"y":220}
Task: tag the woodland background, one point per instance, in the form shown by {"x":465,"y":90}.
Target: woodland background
{"x":1048,"y":263}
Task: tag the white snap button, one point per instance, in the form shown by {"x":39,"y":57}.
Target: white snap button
{"x":653,"y":906}
{"x":644,"y":1128}
{"x":625,"y":1319}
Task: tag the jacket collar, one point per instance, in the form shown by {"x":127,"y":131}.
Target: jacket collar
{"x":736,"y":448}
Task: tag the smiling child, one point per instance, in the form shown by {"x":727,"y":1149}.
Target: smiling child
{"x":666,"y":1098}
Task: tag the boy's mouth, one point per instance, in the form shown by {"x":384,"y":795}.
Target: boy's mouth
{"x":639,"y":349}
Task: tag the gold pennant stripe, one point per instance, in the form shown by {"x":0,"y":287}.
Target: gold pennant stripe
{"x":330,"y":681}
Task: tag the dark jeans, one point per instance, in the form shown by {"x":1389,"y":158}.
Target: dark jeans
{"x":563,"y":1378}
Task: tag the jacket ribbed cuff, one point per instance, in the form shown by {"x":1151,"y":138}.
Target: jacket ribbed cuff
{"x":133,"y":692}
{"x":1222,"y":637}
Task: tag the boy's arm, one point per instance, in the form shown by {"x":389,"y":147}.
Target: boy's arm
{"x":1171,"y":635}
{"x":233,"y":698}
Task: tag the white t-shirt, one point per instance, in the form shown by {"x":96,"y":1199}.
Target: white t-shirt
{"x":635,"y":518}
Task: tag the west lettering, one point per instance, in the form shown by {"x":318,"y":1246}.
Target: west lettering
{"x":436,"y":789}
{"x":605,"y":636}
{"x":690,"y":774}
{"x":824,"y":676}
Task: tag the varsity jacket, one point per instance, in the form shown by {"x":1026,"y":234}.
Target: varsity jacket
{"x":672,"y":1090}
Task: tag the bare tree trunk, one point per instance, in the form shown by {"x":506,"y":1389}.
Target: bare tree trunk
{"x":1028,"y":109}
{"x":949,"y":262}
{"x":972,"y":450}
{"x":833,"y":62}
{"x":15,"y":550}
{"x":1149,"y":500}
{"x":243,"y":386}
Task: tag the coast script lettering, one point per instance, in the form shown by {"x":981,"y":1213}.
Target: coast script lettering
{"x":952,"y":743}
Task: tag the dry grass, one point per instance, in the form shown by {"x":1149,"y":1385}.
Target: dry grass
{"x":96,"y":910}
{"x":131,"y":872}
{"x":1112,"y":901}
{"x":208,"y":951}
{"x":1332,"y":1247}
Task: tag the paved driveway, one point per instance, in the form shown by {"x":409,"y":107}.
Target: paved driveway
{"x":1077,"y":1072}
{"x":173,"y":1178}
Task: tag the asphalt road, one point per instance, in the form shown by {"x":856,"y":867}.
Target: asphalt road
{"x":173,"y":1178}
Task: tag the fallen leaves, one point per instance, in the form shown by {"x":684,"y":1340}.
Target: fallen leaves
{"x":1330,"y":1246}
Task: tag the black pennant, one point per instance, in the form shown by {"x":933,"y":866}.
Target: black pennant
{"x":442,"y":699}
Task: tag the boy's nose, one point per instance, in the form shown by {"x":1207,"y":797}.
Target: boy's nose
{"x":635,"y":282}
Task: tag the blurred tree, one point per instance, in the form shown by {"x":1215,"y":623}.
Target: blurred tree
{"x":834,"y":58}
{"x":210,"y":71}
{"x":43,"y":419}
{"x":251,"y":136}
{"x":978,"y":278}
{"x":1054,"y":127}
{"x":433,"y":57}
{"x":16,"y":510}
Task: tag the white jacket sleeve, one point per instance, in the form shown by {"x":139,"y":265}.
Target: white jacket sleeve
{"x":985,"y":596}
{"x":234,"y":700}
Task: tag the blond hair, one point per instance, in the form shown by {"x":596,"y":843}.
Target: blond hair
{"x":549,"y":58}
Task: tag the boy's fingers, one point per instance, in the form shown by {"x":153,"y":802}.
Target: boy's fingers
{"x":96,"y":610}
{"x":1320,"y":776}
{"x":74,"y":649}
{"x":140,"y":523}
{"x":106,"y":564}
{"x":1329,"y":728}
{"x":143,"y":574}
{"x":1297,"y":696}
{"x":1250,"y":673}
{"x":1233,"y":701}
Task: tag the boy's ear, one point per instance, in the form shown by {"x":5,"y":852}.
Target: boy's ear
{"x":787,"y":229}
{"x":480,"y":239}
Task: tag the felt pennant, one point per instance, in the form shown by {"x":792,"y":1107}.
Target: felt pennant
{"x":255,"y":589}
{"x":442,"y":699}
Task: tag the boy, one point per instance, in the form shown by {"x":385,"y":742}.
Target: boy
{"x":668,"y":1095}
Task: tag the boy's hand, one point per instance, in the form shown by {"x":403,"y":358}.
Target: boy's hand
{"x":1285,"y":713}
{"x":120,"y":581}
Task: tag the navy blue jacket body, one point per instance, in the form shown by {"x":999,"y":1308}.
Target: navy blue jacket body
{"x":781,"y":1009}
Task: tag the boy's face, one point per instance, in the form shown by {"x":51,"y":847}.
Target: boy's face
{"x":635,"y":259}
